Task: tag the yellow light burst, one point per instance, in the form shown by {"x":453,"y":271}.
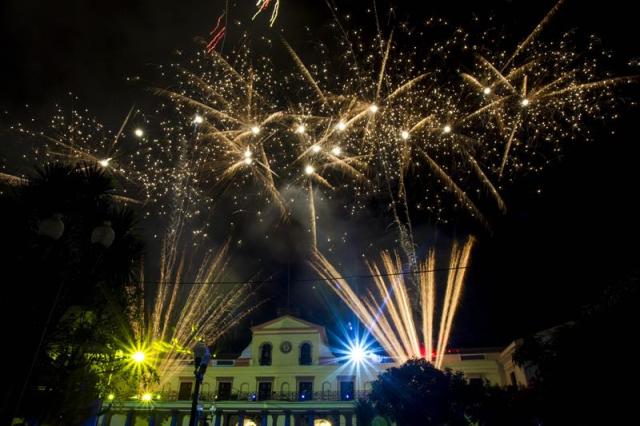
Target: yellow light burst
{"x":179,"y":316}
{"x":138,"y":357}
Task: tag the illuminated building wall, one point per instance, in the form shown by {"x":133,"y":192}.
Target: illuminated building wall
{"x":289,"y":376}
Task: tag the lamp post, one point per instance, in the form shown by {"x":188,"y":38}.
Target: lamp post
{"x":201,"y":356}
{"x":53,"y":228}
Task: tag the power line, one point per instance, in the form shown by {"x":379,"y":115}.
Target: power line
{"x":304,"y":280}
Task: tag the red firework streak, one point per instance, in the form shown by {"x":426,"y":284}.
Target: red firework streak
{"x":264,"y":5}
{"x":217,"y":34}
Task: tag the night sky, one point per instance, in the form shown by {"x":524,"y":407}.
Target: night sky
{"x":552,"y":253}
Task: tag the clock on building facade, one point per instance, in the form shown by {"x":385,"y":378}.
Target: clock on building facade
{"x":285,"y":347}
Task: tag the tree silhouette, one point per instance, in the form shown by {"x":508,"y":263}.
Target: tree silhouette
{"x":417,"y":393}
{"x":65,"y":298}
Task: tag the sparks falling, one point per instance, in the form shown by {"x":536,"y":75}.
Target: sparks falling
{"x":386,"y":116}
{"x":381,"y":117}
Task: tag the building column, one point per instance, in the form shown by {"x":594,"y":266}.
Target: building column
{"x":334,"y":418}
{"x":152,"y":419}
{"x":240,"y":419}
{"x":129,"y":419}
{"x":310,"y":418}
{"x":274,"y":419}
{"x":217,"y":418}
{"x":264,"y":418}
{"x":287,"y":418}
{"x":174,"y":418}
{"x":297,"y":421}
{"x":180,"y":418}
{"x":348,"y":417}
{"x":106,"y":419}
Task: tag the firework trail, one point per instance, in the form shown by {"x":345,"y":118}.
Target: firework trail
{"x":387,"y":311}
{"x":263,"y":5}
{"x":217,"y":34}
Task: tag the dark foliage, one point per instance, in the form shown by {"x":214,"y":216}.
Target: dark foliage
{"x":581,"y":375}
{"x":65,"y":298}
{"x":417,"y":393}
{"x":365,"y":412}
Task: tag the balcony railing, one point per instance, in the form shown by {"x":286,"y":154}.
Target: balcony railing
{"x":274,"y":396}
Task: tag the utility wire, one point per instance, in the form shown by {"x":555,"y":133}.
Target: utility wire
{"x":304,"y":280}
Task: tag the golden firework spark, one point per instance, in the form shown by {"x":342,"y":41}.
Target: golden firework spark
{"x":386,"y":118}
{"x":187,"y":304}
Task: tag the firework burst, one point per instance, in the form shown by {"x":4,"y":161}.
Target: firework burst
{"x":426,"y":130}
{"x":187,"y":304}
{"x":73,"y":136}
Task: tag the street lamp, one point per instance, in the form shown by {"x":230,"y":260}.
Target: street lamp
{"x":201,"y":356}
{"x":53,"y":227}
{"x":103,"y":234}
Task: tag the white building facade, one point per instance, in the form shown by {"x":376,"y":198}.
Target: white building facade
{"x":288,"y":376}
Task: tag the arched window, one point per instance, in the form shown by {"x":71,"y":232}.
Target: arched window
{"x":326,"y":390}
{"x":205,"y":391}
{"x":265,"y":354}
{"x":244,"y":390}
{"x":305,"y":354}
{"x":284,"y":392}
{"x":166,"y":390}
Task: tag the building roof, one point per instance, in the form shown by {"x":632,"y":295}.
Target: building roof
{"x":290,"y":324}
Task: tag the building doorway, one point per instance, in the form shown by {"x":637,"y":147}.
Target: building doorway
{"x":224,"y":391}
{"x":264,"y":391}
{"x":305,"y":391}
{"x":184,"y":393}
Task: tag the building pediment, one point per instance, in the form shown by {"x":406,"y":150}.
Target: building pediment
{"x":287,"y":323}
